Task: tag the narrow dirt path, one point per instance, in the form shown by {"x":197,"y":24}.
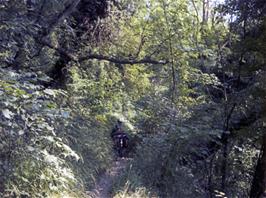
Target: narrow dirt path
{"x":103,"y":186}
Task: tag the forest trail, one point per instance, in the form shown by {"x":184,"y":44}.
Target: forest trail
{"x":104,"y":184}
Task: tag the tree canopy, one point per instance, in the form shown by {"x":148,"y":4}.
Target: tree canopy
{"x":186,"y":78}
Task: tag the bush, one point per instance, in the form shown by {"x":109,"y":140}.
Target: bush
{"x":47,"y":148}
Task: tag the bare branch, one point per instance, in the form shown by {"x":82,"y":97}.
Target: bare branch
{"x":43,"y":40}
{"x":122,"y":61}
{"x":101,"y":57}
{"x":67,"y":11}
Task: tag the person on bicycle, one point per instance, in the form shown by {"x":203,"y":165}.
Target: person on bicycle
{"x":119,"y":137}
{"x":117,"y":129}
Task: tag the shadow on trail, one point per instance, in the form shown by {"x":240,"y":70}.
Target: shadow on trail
{"x":105,"y":182}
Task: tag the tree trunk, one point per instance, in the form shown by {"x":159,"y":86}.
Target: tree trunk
{"x":205,"y":11}
{"x":258,"y":188}
{"x":57,"y":73}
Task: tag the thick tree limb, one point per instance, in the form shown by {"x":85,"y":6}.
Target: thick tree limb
{"x":99,"y":57}
{"x":258,"y":187}
{"x":121,"y":61}
{"x":46,"y":32}
{"x":67,"y":11}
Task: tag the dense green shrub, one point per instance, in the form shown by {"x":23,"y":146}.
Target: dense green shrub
{"x":46,"y":147}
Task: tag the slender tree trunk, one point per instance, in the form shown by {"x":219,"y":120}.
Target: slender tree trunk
{"x":205,"y":11}
{"x":224,"y":162}
{"x":210,"y":178}
{"x":171,"y":55}
{"x":258,"y":188}
{"x":225,"y":136}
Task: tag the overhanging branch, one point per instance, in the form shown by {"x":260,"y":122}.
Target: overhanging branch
{"x":122,"y":60}
{"x":99,"y":57}
{"x":66,"y":12}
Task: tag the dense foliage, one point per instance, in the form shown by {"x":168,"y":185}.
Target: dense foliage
{"x":186,"y":77}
